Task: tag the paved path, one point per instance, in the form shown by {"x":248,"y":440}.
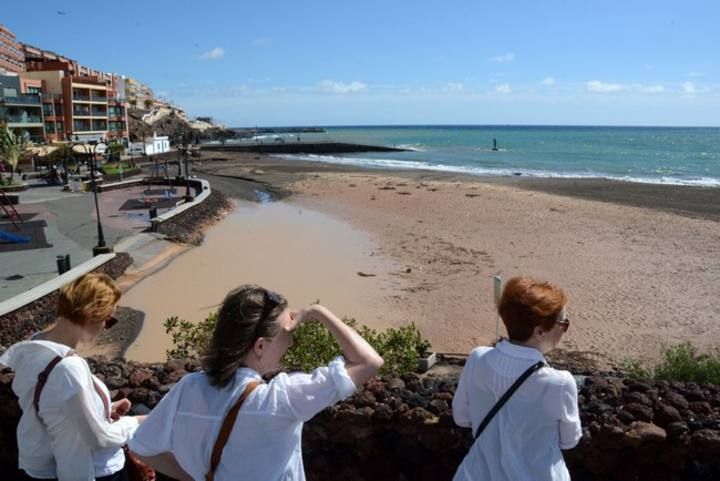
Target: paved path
{"x":71,"y":229}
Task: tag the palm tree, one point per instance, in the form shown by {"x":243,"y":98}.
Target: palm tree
{"x":13,"y":147}
{"x":148,"y":104}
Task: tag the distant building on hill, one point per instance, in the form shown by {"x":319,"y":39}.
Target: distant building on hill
{"x":138,"y":95}
{"x":12,"y":58}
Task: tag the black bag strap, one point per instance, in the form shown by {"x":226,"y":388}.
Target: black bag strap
{"x":501,"y":402}
{"x":42,"y":380}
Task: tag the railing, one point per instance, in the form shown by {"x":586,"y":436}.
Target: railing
{"x":84,"y":113}
{"x":22,"y":119}
{"x":22,"y":100}
{"x":96,"y":98}
{"x":81,"y":97}
{"x":97,"y":113}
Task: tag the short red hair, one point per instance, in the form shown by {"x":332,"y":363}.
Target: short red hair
{"x":527,"y":303}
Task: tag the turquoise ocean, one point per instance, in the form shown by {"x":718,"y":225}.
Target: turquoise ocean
{"x":659,"y":155}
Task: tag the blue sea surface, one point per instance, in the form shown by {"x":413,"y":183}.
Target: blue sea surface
{"x":661,"y":155}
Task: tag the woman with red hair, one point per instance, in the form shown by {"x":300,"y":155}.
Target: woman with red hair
{"x":523,"y":412}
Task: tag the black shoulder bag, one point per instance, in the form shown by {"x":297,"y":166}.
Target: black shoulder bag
{"x":501,"y":402}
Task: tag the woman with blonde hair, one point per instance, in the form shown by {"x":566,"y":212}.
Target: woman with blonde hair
{"x":226,"y":423}
{"x":69,"y":429}
{"x":522,"y":412}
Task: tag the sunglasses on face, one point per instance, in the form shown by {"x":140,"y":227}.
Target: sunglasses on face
{"x":565,"y":323}
{"x":110,"y":322}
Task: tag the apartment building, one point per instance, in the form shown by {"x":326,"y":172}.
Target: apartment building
{"x":12,"y":58}
{"x":21,"y":105}
{"x":84,"y":103}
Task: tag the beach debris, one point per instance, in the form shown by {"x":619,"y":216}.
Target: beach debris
{"x":352,"y":185}
{"x":433,"y":189}
{"x":472,"y":195}
{"x":402,"y":192}
{"x":372,"y":197}
{"x":408,"y":270}
{"x":387,"y":187}
{"x":365,"y":274}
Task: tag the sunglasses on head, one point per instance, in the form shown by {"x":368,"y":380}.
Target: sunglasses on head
{"x":270,"y":301}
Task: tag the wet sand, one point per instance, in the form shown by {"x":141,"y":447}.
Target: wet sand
{"x":301,"y":253}
{"x":640,"y":262}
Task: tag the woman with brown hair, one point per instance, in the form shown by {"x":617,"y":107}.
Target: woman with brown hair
{"x":226,"y":423}
{"x":69,"y":429}
{"x":522,"y":412}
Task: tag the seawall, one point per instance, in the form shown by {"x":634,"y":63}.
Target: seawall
{"x":299,"y":148}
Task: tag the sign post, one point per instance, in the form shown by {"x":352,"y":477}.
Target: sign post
{"x":497,"y":287}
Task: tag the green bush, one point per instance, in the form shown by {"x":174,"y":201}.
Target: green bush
{"x":680,"y":363}
{"x":313,"y":344}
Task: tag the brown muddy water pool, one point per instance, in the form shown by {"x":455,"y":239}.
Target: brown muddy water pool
{"x":303,"y":254}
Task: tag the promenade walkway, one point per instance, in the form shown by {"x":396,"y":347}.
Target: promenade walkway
{"x":63,"y":223}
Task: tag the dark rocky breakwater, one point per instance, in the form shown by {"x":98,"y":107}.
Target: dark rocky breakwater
{"x":401,"y":427}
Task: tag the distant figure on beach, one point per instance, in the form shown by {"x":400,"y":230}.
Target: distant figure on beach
{"x":69,"y":429}
{"x":254,"y":330}
{"x":494,"y":144}
{"x":524,"y":439}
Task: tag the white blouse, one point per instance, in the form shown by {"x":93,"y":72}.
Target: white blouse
{"x":73,"y":441}
{"x":524,"y":439}
{"x":265,"y":441}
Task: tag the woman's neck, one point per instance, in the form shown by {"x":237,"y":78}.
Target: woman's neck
{"x":62,"y":332}
{"x":532,"y":343}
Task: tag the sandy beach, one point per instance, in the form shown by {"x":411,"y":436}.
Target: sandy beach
{"x":639,"y":273}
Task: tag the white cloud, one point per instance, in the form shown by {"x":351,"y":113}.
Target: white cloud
{"x":689,"y":88}
{"x":262,"y":42}
{"x":652,"y":89}
{"x":334,"y":87}
{"x":506,"y":58}
{"x":694,"y":74}
{"x":548,"y":81}
{"x":602,"y":87}
{"x":454,"y":87}
{"x":503,"y":89}
{"x":214,"y":54}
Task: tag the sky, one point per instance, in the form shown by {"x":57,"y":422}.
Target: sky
{"x":337,"y":62}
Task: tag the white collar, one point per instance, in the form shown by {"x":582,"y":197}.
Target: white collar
{"x":523,"y":352}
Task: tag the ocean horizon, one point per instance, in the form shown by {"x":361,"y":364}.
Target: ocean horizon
{"x":657,"y":155}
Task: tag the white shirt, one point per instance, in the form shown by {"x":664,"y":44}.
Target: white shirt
{"x":264,"y":444}
{"x":524,"y":439}
{"x":74,"y":441}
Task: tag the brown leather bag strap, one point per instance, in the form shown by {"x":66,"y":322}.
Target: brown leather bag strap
{"x":104,"y":399}
{"x":226,"y":428}
{"x":43,"y":377}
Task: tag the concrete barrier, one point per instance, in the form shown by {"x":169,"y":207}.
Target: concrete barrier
{"x":54,"y":284}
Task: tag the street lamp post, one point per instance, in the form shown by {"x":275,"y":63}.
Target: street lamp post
{"x":181,"y":144}
{"x":101,"y":247}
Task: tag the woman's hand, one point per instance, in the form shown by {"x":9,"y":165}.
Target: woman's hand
{"x":305,"y":314}
{"x":120,"y":408}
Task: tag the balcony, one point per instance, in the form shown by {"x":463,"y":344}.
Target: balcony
{"x":22,"y":119}
{"x":81,"y":98}
{"x":24,"y":99}
{"x":98,"y":98}
{"x":81,"y":112}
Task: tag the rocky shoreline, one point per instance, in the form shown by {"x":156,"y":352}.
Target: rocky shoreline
{"x":401,"y":427}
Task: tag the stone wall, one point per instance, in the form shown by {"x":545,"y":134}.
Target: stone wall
{"x":187,"y":227}
{"x":37,"y":315}
{"x":401,"y":427}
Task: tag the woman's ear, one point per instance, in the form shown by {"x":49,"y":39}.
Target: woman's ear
{"x":259,"y":346}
